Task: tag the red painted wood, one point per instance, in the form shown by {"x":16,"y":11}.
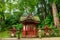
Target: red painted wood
{"x":30,"y":30}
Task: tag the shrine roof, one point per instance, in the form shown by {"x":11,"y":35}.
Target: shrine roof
{"x":35,"y":18}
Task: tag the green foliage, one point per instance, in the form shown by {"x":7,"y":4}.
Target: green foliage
{"x":59,"y":15}
{"x":2,"y":6}
{"x":19,"y":26}
{"x":49,"y":20}
{"x":1,"y":17}
{"x":29,"y":4}
{"x":3,"y":25}
{"x":41,"y":25}
{"x":10,"y":17}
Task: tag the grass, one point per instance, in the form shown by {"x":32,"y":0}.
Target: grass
{"x":6,"y":34}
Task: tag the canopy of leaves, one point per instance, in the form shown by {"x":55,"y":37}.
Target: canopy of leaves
{"x":12,"y":10}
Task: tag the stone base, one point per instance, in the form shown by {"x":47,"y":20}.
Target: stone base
{"x":28,"y":36}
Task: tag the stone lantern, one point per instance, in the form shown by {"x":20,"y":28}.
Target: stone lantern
{"x":46,"y":30}
{"x":13,"y":32}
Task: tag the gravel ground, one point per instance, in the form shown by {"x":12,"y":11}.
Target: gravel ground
{"x":52,"y":38}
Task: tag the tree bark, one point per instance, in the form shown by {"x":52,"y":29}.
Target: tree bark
{"x":54,"y":10}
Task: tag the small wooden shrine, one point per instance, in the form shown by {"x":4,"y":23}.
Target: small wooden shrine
{"x":29,"y":25}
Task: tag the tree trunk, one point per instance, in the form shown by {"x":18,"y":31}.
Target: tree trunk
{"x":54,"y":10}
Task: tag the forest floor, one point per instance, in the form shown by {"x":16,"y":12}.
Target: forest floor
{"x":52,"y":38}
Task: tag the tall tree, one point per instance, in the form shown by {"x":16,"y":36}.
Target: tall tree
{"x":54,"y":10}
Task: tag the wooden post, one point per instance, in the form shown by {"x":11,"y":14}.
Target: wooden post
{"x":18,"y":34}
{"x":24,"y":30}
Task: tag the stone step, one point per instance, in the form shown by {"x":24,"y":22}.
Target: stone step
{"x":30,"y":39}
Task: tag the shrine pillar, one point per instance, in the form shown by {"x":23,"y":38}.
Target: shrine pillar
{"x":35,"y":30}
{"x":24,"y":30}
